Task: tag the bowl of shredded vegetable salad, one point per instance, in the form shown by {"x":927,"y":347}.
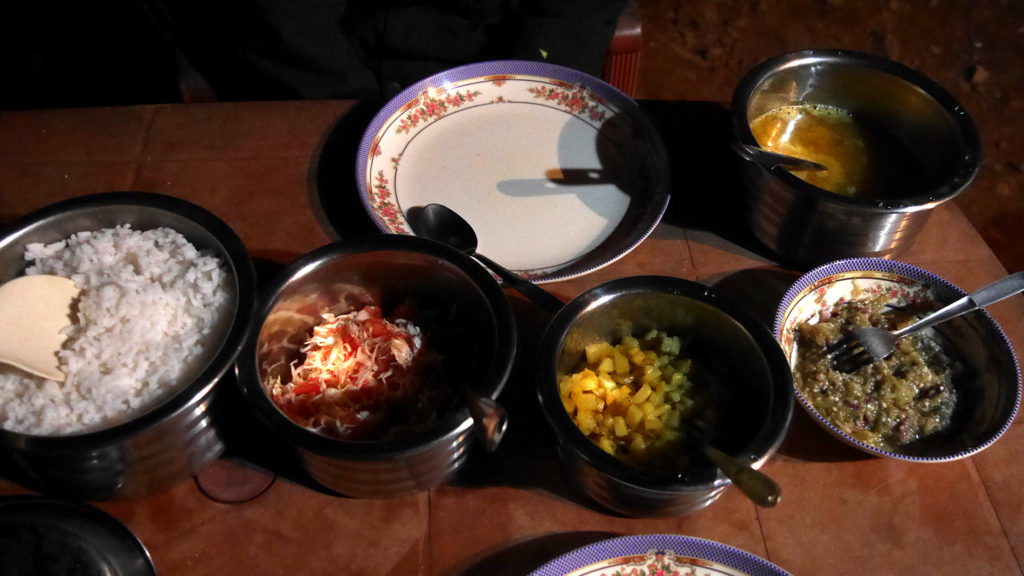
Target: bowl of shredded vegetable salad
{"x":361,"y":352}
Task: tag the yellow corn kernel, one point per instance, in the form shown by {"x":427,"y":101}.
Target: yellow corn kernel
{"x":597,"y":351}
{"x":631,"y":398}
{"x":642,"y":394}
{"x":636,"y":356}
{"x":589,"y":402}
{"x":607,"y":423}
{"x":624,"y":379}
{"x":589,"y":381}
{"x":586,"y":421}
{"x":620,"y":426}
{"x":671,"y":345}
{"x":651,"y":374}
{"x":621,"y":363}
{"x":565,"y":386}
{"x":611,"y":396}
{"x":634,"y":415}
{"x":657,"y":399}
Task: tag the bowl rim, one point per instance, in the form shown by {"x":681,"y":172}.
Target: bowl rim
{"x":761,"y":447}
{"x":943,"y":289}
{"x":240,"y":266}
{"x":964,"y":173}
{"x":456,"y":422}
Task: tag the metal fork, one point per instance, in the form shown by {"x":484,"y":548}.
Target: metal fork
{"x":868,"y":345}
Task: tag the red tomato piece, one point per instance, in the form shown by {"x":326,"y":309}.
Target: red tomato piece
{"x":306,"y":388}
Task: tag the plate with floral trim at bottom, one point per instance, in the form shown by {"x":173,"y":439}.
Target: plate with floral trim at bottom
{"x":558,"y":173}
{"x":658,"y":554}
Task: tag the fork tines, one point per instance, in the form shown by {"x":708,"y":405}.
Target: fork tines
{"x":848,"y":355}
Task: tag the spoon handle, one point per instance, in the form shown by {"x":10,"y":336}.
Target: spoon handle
{"x":489,"y":417}
{"x":538,"y":295}
{"x":759,"y":487}
{"x":985,"y":296}
{"x":763,"y":156}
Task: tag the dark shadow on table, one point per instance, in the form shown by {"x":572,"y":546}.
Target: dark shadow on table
{"x":527,"y":457}
{"x":760,"y":290}
{"x":706,"y":182}
{"x":333,"y":193}
{"x":527,"y":556}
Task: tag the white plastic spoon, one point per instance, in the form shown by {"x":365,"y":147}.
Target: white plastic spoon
{"x":33,"y":312}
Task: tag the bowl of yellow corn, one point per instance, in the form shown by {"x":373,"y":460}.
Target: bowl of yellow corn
{"x":629,"y":370}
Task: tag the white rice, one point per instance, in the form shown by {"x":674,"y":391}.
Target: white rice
{"x":150,"y":314}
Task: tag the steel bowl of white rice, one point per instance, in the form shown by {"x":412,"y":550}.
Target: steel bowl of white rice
{"x":167,"y":294}
{"x":358,"y":356}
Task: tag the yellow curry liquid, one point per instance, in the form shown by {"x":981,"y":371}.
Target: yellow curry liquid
{"x":859,"y":161}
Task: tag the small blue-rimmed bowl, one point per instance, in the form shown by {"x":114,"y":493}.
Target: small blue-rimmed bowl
{"x":988,"y":386}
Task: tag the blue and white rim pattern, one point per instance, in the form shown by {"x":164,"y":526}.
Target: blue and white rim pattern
{"x":942,"y":288}
{"x":596,"y":555}
{"x":615,"y":100}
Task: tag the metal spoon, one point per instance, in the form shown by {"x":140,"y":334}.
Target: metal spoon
{"x":33,"y":311}
{"x":769,"y":158}
{"x":489,"y":417}
{"x":441,"y":223}
{"x":756,"y":485}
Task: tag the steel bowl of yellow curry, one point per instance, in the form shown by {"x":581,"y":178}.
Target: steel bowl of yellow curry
{"x":894,"y":145}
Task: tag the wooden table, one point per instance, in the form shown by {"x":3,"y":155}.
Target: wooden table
{"x":280,"y":174}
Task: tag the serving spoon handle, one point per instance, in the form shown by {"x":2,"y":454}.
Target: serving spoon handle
{"x":767,"y":157}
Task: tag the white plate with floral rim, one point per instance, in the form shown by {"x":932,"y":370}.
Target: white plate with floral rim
{"x":558,"y":172}
{"x":652,"y":554}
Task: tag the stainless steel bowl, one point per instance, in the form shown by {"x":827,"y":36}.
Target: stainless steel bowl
{"x":173,"y":441}
{"x":987,"y":382}
{"x":388,"y":269}
{"x":754,"y":401}
{"x":808,"y":225}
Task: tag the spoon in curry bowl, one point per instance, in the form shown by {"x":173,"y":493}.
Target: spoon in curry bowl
{"x":33,"y":312}
{"x":760,"y":488}
{"x":769,"y":158}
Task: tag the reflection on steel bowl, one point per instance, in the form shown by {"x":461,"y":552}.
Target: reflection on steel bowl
{"x":751,"y":392}
{"x":920,"y":148}
{"x":171,"y":439}
{"x":458,"y":307}
{"x":897,"y":408}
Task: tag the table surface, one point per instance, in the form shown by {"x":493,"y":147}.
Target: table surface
{"x":280,"y":174}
